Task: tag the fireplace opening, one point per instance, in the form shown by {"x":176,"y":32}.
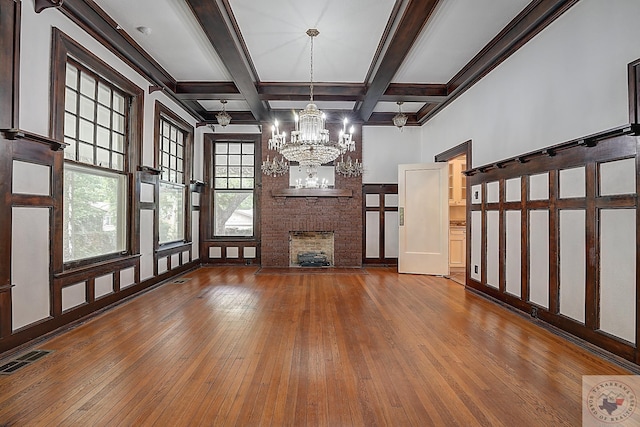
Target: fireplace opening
{"x":311,"y":249}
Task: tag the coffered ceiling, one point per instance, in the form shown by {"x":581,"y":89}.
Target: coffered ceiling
{"x":369,"y":54}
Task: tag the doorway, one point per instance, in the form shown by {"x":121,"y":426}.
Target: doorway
{"x":458,"y":160}
{"x":457,"y":218}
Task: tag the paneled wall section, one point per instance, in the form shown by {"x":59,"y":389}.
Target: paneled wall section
{"x":555,"y":234}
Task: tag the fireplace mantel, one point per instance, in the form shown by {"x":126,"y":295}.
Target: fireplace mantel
{"x":312,"y":192}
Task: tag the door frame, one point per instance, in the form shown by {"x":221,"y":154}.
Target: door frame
{"x":445,"y":156}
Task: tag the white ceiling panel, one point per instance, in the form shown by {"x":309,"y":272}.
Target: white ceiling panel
{"x":232,"y":105}
{"x":392,"y":107}
{"x":176,"y":41}
{"x":275,"y":35}
{"x":458,"y":30}
{"x":322,"y":105}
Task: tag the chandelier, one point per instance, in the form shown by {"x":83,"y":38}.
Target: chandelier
{"x":310,"y":144}
{"x":275,"y":167}
{"x":223,"y":117}
{"x":400,"y":119}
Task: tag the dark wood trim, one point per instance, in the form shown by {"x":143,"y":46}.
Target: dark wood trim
{"x":415,"y":16}
{"x":212,"y":20}
{"x":529,"y":23}
{"x":634,"y":91}
{"x":16,"y":134}
{"x":41,"y":5}
{"x":10,"y":24}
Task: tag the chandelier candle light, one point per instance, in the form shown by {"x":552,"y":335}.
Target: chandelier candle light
{"x":310,"y":144}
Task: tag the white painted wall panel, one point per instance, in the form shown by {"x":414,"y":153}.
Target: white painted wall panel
{"x":539,"y":257}
{"x":476,"y":245}
{"x":195,"y":199}
{"x":249,"y":252}
{"x":147,"y":192}
{"x":146,"y":244}
{"x":175,"y":260}
{"x":29,"y":265}
{"x":493,"y":248}
{"x":73,"y":296}
{"x":372,"y":234}
{"x":572,"y":183}
{"x":127,"y":277}
{"x":493,"y":192}
{"x":185,"y":257}
{"x":391,"y":234}
{"x":513,"y":189}
{"x":104,"y":285}
{"x":618,"y":272}
{"x":391,"y":200}
{"x":31,"y":178}
{"x":232,"y":252}
{"x":195,"y":236}
{"x":572,"y":264}
{"x":539,"y":186}
{"x":618,"y":177}
{"x":513,"y":261}
{"x":372,"y":200}
{"x":163,"y":265}
{"x":215,"y":252}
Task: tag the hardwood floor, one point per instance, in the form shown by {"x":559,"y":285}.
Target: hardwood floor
{"x":231,"y":347}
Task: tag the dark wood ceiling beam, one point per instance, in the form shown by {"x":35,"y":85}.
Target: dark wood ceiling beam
{"x":212,"y":20}
{"x":208,"y":90}
{"x":413,"y":19}
{"x":415,"y":89}
{"x":237,"y":117}
{"x":321,"y":91}
{"x":530,"y":22}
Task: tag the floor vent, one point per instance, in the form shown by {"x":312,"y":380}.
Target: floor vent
{"x":22,"y":361}
{"x":180,"y":281}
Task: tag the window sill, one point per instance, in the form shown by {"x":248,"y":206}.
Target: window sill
{"x":173,"y":247}
{"x":106,"y":265}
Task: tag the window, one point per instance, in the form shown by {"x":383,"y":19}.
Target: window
{"x":171,"y":153}
{"x":233,"y":183}
{"x":96,"y":111}
{"x":95,"y":198}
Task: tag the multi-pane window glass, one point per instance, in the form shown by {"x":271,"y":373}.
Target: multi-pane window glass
{"x":172,"y":189}
{"x":171,"y":152}
{"x":95,"y":119}
{"x":233,"y":183}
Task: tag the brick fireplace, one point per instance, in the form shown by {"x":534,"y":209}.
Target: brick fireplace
{"x":280,"y":215}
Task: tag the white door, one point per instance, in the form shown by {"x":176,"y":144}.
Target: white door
{"x":423,"y":218}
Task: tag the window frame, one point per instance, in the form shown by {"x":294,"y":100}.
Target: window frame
{"x":64,"y":47}
{"x":210,"y":176}
{"x":162,"y":112}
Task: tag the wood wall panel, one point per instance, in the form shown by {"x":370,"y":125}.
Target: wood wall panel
{"x":380,"y":234}
{"x":573,"y":275}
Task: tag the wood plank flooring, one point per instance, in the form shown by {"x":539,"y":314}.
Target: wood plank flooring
{"x":232,"y":347}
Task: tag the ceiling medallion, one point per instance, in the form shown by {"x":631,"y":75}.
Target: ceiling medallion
{"x":400,"y":119}
{"x":310,"y":144}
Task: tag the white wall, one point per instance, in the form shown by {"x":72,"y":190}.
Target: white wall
{"x":384,"y":148}
{"x":569,"y":81}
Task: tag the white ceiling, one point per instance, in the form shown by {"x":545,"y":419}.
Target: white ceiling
{"x":350,"y":33}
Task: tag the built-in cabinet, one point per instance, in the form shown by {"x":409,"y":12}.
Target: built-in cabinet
{"x":457,"y":240}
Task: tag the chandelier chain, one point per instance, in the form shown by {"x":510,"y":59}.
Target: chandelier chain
{"x":311,"y":67}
